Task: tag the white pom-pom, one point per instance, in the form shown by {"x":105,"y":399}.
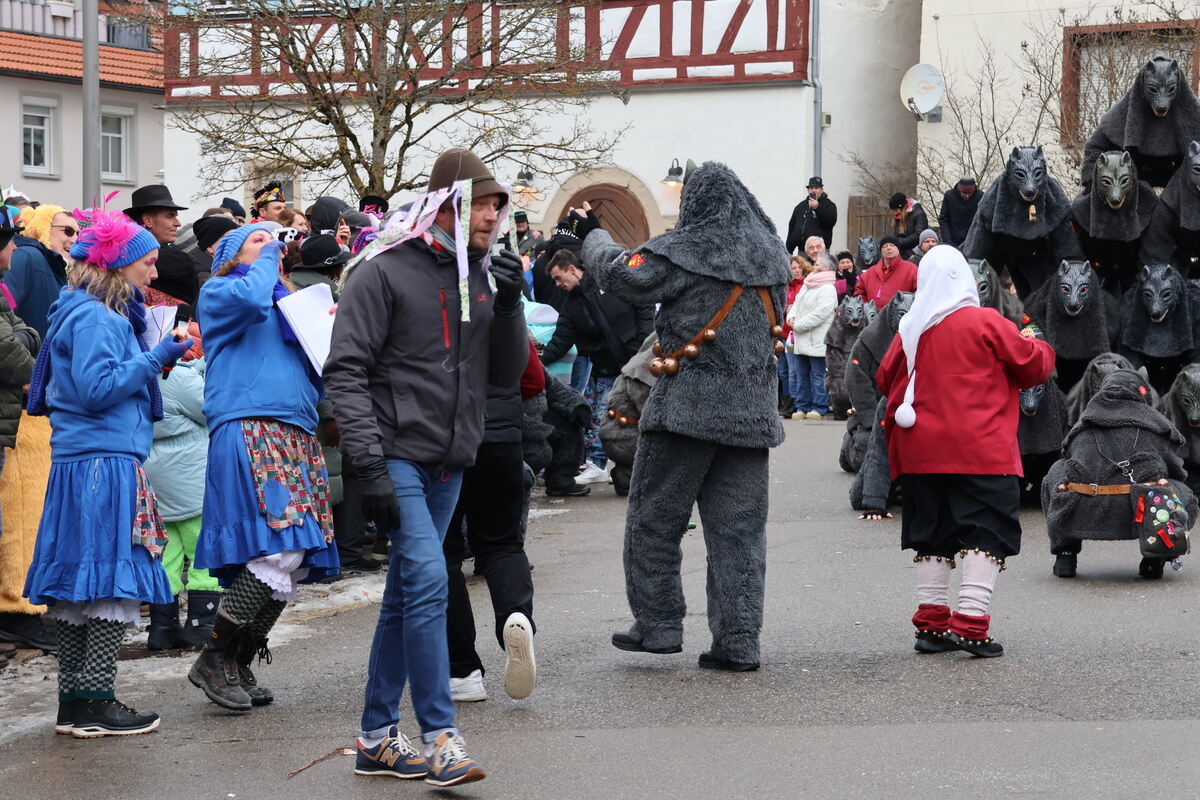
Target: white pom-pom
{"x":906,"y":416}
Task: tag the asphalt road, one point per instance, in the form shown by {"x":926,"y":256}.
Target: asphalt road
{"x":1096,"y":696}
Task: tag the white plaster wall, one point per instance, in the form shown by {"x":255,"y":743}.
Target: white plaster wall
{"x":65,"y":187}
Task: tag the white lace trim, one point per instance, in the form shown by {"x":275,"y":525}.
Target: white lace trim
{"x":125,"y":611}
{"x":281,"y":572}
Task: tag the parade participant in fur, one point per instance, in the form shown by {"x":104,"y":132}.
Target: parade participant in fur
{"x":952,"y":378}
{"x":992,"y":294}
{"x":706,"y":430}
{"x":1173,"y":236}
{"x":1093,"y":376}
{"x":1078,"y":319}
{"x":1040,"y":434}
{"x":872,"y":491}
{"x":852,"y":317}
{"x":1160,"y":324}
{"x":619,"y":428}
{"x":1111,"y":217}
{"x":1181,"y":405}
{"x":1120,"y":440}
{"x":267,"y":523}
{"x":99,"y":545}
{"x":1023,"y":227}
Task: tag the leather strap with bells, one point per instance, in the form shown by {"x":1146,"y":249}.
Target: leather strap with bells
{"x":668,"y":363}
{"x":624,"y":420}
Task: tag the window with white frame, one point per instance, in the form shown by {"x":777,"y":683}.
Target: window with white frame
{"x":116,"y":131}
{"x":38,"y":135}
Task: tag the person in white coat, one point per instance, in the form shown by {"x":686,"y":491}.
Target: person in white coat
{"x":810,"y":316}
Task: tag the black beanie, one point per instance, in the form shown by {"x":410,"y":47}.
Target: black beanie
{"x":889,"y":239}
{"x":898,"y":201}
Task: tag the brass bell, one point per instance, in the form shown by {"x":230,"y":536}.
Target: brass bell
{"x":779,"y":348}
{"x":691,"y":351}
{"x":776,"y":331}
{"x":656,"y":367}
{"x":670,"y":366}
{"x":710,"y":334}
{"x":623,"y":421}
{"x":612,"y":413}
{"x":657,"y":350}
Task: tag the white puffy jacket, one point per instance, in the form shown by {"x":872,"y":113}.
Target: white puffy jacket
{"x":810,"y":316}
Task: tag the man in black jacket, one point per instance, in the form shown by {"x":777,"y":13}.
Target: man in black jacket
{"x":408,"y":372}
{"x":603,"y":328}
{"x":814,"y":216}
{"x":958,"y":211}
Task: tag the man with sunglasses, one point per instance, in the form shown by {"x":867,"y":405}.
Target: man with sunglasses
{"x":959,"y":205}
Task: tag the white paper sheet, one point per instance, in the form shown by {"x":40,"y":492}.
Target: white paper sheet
{"x":159,"y":322}
{"x":307,"y":311}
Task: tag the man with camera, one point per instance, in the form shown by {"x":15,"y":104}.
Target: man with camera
{"x":814,"y":216}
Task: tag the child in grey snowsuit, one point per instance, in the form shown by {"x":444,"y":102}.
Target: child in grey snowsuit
{"x":619,"y":428}
{"x":711,"y":416}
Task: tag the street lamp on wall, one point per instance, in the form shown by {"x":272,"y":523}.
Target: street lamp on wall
{"x":524,"y":181}
{"x":674,"y":174}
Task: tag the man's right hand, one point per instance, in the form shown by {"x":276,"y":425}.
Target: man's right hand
{"x":379,"y":494}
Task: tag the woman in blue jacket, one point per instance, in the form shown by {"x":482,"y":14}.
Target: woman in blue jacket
{"x":267,"y":518}
{"x":97,"y":557}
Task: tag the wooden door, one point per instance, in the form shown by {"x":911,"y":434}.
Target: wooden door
{"x":618,"y":210}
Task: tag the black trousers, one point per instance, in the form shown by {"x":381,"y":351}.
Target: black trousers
{"x":944,"y":514}
{"x":349,"y":525}
{"x":492,"y":504}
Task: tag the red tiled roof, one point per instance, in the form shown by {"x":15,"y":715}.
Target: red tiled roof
{"x":47,"y":55}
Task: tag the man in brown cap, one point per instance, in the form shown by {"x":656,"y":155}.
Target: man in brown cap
{"x":408,"y":373}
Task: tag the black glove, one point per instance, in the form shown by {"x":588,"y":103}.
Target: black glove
{"x":378,"y":494}
{"x":509,"y":272}
{"x":583,"y":416}
{"x":585,"y":225}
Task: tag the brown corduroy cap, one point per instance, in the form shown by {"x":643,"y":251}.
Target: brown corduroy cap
{"x":461,"y":164}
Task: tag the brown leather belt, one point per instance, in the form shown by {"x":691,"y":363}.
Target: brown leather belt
{"x":668,"y":363}
{"x":1098,"y":489}
{"x":624,"y":420}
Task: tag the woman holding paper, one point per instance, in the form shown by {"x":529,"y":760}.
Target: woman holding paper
{"x":267,"y":520}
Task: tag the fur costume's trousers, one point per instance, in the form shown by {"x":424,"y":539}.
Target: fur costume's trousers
{"x":26,"y":470}
{"x":730,"y":485}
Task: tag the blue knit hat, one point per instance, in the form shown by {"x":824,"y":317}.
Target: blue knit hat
{"x":111,"y":240}
{"x":229,"y":244}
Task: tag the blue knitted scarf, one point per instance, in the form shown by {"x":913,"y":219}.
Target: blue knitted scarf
{"x":135,"y":312}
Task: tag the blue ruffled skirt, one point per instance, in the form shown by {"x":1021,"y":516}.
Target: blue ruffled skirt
{"x":234,"y":529}
{"x":85,"y":548}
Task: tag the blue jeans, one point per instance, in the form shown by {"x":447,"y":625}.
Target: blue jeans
{"x":809,"y":375}
{"x":410,"y":637}
{"x":597,"y":397}
{"x":581,"y":371}
{"x":791,"y":377}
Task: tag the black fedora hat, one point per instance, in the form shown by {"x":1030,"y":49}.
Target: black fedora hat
{"x":156,"y":195}
{"x":323,"y":251}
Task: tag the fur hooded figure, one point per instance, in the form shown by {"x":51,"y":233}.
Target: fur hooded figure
{"x":1173,"y":236}
{"x":851,"y":318}
{"x":1078,"y":319}
{"x":1040,"y":432}
{"x":1093,"y":377}
{"x":1159,"y":319}
{"x":1154,"y":121}
{"x":1181,"y":405}
{"x":1119,"y":425}
{"x":1111,"y":216}
{"x":872,"y":489}
{"x":993,"y":295}
{"x":626,"y":399}
{"x":1023,"y":226}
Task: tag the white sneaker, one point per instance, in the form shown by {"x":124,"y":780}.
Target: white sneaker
{"x":520,"y":666}
{"x":469,"y":689}
{"x":593,"y":474}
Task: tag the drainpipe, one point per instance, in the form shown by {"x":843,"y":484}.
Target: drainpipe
{"x":91,"y":103}
{"x":814,"y":76}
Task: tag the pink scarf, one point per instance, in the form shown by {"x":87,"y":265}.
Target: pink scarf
{"x":815,"y":280}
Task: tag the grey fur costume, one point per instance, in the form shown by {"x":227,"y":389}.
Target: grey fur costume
{"x":1076,"y":339}
{"x":871,"y":489}
{"x":993,"y":295}
{"x":626,"y":399}
{"x":1111,"y":238}
{"x":1118,"y":424}
{"x":705,"y":431}
{"x":1093,"y":376}
{"x":1028,"y":251}
{"x":1162,"y":347}
{"x":852,"y":317}
{"x":1181,"y":405}
{"x":865,"y":356}
{"x":1156,"y":143}
{"x":1173,"y":236}
{"x":1040,"y":435}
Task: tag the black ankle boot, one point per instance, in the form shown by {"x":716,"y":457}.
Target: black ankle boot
{"x":249,"y":646}
{"x":96,"y":718}
{"x":216,"y":670}
{"x":165,"y":632}
{"x":1064,"y":565}
{"x":201,"y":613}
{"x":1151,"y":568}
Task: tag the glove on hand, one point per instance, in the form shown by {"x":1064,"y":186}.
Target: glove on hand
{"x":378,"y":494}
{"x":583,"y":225}
{"x":169,"y":350}
{"x":509,"y":273}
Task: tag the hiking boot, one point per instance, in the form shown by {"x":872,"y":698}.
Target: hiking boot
{"x":933,"y":642}
{"x":65,"y":721}
{"x":28,"y":630}
{"x":450,"y":765}
{"x":165,"y":631}
{"x":216,"y":671}
{"x":1151,"y":568}
{"x":248,"y":646}
{"x":394,"y":757}
{"x":520,"y":666}
{"x":469,"y":689}
{"x":201,"y":614}
{"x":1065,"y":563}
{"x":96,"y":718}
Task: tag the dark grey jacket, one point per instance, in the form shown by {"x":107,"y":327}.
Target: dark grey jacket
{"x":18,"y":346}
{"x":407,"y":378}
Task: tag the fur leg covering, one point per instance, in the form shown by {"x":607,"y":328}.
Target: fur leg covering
{"x":668,"y":472}
{"x":733,"y":510}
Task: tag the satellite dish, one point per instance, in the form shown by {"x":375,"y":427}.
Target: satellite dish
{"x":922,"y":88}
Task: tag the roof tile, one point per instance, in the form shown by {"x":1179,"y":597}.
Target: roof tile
{"x":48,"y":55}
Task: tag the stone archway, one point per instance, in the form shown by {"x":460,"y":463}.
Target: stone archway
{"x":632,"y":197}
{"x":618,"y":210}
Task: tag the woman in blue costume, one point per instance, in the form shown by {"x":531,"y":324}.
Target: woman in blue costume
{"x":267,"y":523}
{"x":99,"y":544}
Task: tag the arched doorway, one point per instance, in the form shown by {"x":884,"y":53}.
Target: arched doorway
{"x":618,"y":210}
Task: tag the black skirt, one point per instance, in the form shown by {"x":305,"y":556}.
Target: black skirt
{"x":943,"y":514}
